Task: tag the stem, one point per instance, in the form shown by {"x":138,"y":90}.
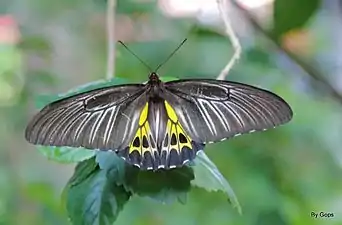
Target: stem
{"x":223,"y":9}
{"x":111,"y":39}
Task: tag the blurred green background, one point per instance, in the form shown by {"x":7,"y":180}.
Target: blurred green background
{"x":279,"y":176}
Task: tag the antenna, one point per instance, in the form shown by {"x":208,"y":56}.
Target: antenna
{"x":167,"y":59}
{"x":136,"y":56}
{"x":160,"y":65}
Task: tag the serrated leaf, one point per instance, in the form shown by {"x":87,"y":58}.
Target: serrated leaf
{"x":96,"y":199}
{"x":66,"y":154}
{"x":208,"y":176}
{"x":110,"y":160}
{"x":164,"y":186}
{"x":82,"y":171}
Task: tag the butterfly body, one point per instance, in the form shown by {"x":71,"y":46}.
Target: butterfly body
{"x":160,"y":141}
{"x":157,"y":125}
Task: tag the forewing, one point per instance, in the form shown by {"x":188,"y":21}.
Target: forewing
{"x":212,"y":110}
{"x":103,"y":119}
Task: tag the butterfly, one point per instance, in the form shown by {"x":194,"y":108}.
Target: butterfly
{"x":157,"y":125}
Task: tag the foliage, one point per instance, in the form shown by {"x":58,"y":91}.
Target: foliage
{"x":93,"y":197}
{"x":210,"y":178}
{"x":66,"y":154}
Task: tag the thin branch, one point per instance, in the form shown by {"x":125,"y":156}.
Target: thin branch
{"x":223,"y":9}
{"x":310,"y":70}
{"x":111,"y":39}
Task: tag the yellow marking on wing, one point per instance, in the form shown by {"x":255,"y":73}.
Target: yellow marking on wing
{"x":142,"y":131}
{"x":180,"y":130}
{"x":171,"y":112}
{"x":150,"y":138}
{"x":143,"y":115}
{"x":168,"y":127}
{"x":145,"y":133}
{"x":147,"y":126}
{"x":133,"y":148}
{"x":177,"y":129}
{"x":173,"y":126}
{"x":174,"y":132}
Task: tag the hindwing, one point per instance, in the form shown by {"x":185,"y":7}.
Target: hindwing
{"x":160,"y":141}
{"x":177,"y":147}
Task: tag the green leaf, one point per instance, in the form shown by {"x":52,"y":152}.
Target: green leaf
{"x":208,"y":176}
{"x":94,"y":85}
{"x":43,"y":100}
{"x":163,"y":186}
{"x":82,"y":171}
{"x":166,"y":78}
{"x":109,"y":160}
{"x":92,"y":195}
{"x":292,"y":14}
{"x":66,"y":154}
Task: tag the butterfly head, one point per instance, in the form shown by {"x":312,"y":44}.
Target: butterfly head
{"x":155,"y":84}
{"x":153,"y":78}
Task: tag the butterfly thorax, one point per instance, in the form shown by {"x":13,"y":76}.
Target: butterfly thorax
{"x":156,"y":86}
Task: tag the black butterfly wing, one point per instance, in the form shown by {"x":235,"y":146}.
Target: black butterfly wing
{"x":104,"y":119}
{"x":213,"y":110}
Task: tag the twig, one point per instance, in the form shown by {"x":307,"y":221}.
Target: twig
{"x":310,"y":70}
{"x":110,"y":39}
{"x":222,"y":6}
